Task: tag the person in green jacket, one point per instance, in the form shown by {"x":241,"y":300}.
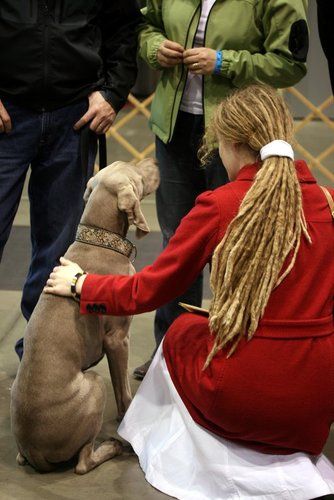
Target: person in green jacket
{"x":204,"y":50}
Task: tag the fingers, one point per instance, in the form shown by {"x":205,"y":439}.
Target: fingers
{"x":50,"y":286}
{"x":58,"y":284}
{"x":54,"y":290}
{"x":105,"y":129}
{"x":191,"y":56}
{"x":192,"y":60}
{"x":101,"y":126}
{"x":64,"y":262}
{"x":100,"y":113}
{"x":170,"y":54}
{"x":5,"y":121}
{"x":201,"y":60}
{"x":196,"y":71}
{"x":60,"y":279}
{"x":173,"y":46}
{"x":95,"y":124}
{"x":166,"y":63}
{"x":86,"y":118}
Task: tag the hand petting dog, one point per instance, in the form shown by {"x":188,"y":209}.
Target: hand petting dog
{"x":61,"y":278}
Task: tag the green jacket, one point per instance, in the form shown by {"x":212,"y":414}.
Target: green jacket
{"x":261,"y":40}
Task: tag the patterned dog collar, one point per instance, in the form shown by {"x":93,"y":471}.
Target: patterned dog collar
{"x":107,"y":239}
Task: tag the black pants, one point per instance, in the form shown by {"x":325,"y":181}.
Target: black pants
{"x":182,"y":179}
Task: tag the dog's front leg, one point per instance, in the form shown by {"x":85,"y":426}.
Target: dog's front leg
{"x":116,"y":345}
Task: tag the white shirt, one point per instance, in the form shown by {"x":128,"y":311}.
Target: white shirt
{"x":185,"y":461}
{"x":192,"y":101}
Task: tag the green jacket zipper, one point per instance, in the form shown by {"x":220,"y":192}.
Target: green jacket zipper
{"x":204,"y":41}
{"x":182,"y":71}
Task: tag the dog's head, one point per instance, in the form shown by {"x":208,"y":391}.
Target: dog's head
{"x":130,"y":183}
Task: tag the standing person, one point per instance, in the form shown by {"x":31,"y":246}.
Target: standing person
{"x":240,"y":404}
{"x":325,"y":25}
{"x":63,"y":65}
{"x":203,"y":53}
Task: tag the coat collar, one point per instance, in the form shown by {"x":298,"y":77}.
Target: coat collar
{"x":248,"y":172}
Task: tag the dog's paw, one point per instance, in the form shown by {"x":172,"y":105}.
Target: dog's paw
{"x":20,"y":460}
{"x":90,"y":458}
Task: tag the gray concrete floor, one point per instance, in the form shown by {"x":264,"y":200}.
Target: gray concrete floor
{"x":122,"y":477}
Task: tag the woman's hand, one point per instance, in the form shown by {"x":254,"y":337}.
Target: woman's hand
{"x":200,"y":60}
{"x":169,"y":54}
{"x":60,"y":280}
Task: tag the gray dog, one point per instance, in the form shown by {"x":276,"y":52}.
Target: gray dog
{"x":56,"y":406}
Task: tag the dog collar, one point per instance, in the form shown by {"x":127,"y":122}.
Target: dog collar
{"x":99,"y":237}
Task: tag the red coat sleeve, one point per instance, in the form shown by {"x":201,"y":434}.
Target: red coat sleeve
{"x":169,"y":276}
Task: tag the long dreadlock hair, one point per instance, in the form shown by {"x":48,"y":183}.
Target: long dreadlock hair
{"x":247,"y":263}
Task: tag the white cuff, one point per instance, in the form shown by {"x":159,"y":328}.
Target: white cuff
{"x":277,"y":148}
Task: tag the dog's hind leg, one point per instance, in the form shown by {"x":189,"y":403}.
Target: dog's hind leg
{"x":90,"y":458}
{"x":116,"y":345}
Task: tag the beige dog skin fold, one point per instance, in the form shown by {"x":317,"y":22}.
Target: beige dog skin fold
{"x":57,"y":407}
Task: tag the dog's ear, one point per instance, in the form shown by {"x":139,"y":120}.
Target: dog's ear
{"x":129,"y":203}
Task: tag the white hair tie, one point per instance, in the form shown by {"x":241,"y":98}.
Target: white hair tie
{"x":277,"y":148}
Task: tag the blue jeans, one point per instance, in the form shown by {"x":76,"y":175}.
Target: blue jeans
{"x":47,"y":142}
{"x":182,"y":179}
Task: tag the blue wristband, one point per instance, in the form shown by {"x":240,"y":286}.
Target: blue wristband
{"x":219,"y":62}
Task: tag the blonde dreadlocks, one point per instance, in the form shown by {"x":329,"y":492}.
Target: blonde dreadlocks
{"x":247,"y":263}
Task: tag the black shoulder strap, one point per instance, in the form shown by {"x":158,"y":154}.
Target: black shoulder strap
{"x":87,"y":144}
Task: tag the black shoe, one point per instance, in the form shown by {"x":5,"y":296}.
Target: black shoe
{"x":140,"y":372}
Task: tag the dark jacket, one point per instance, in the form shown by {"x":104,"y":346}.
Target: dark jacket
{"x":54,"y":52}
{"x":325,"y":24}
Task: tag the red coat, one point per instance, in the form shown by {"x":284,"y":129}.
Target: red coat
{"x":276,"y":393}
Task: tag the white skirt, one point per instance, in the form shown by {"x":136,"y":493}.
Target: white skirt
{"x":186,"y":461}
